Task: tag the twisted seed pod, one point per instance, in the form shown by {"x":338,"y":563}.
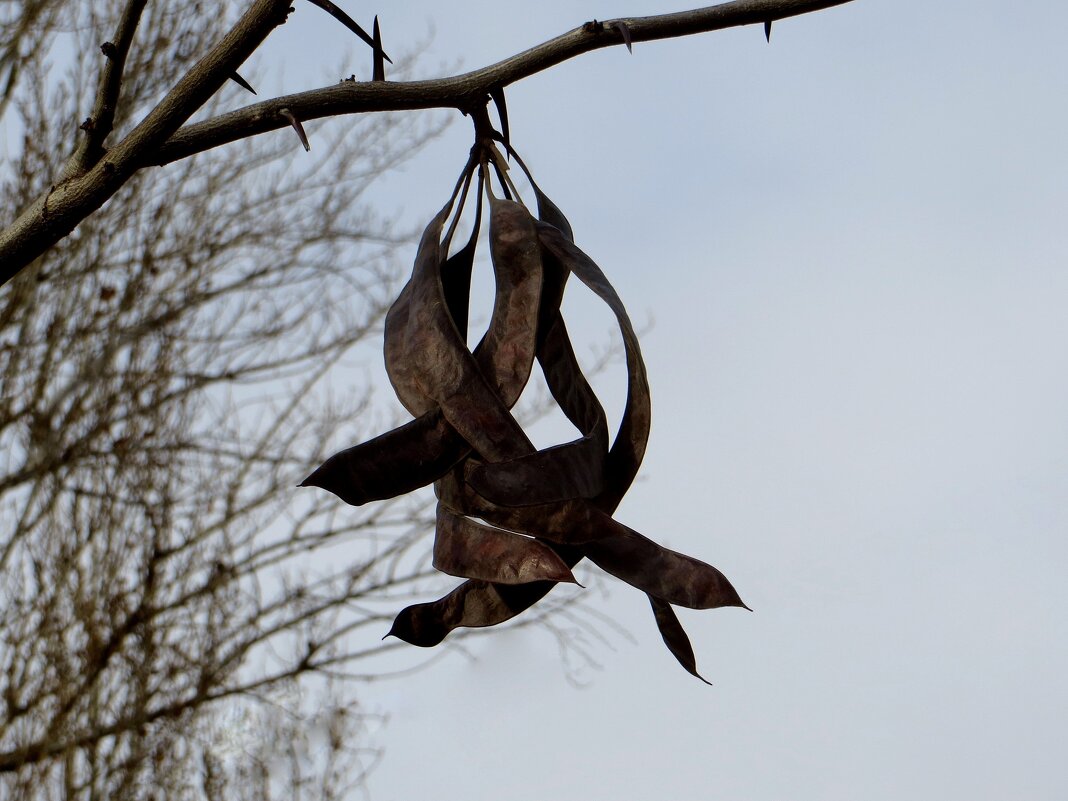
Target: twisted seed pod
{"x":402,"y":371}
{"x":571,"y":470}
{"x":628,"y":449}
{"x":430,"y":366}
{"x":506,"y":353}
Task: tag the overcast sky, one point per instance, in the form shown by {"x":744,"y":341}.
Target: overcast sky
{"x":852,"y":246}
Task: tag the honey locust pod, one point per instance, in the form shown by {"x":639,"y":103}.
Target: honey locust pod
{"x":512,"y":520}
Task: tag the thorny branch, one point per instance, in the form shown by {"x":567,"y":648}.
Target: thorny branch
{"x":160,"y":137}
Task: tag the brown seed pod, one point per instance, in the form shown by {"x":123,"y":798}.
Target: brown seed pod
{"x":400,"y":367}
{"x":612,"y":546}
{"x":628,"y":449}
{"x":675,"y":636}
{"x":506,"y":353}
{"x":466,"y":548}
{"x":395,"y":463}
{"x":571,"y":470}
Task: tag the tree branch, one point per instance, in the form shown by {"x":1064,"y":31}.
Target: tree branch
{"x":471,"y":89}
{"x":158,"y":139}
{"x":52,"y":217}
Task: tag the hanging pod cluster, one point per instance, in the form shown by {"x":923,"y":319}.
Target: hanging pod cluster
{"x":511,"y":519}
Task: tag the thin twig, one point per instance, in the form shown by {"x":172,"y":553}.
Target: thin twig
{"x":100,"y":123}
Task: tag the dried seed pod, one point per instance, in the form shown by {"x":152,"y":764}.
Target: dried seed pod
{"x":628,"y":449}
{"x":402,"y":371}
{"x":574,"y":469}
{"x":506,"y":353}
{"x":466,"y":548}
{"x":433,"y":367}
{"x":675,"y":636}
{"x":456,"y":272}
{"x":612,"y":546}
{"x":395,"y":463}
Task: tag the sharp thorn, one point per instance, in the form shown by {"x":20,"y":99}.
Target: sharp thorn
{"x":624,"y":30}
{"x":289,"y":115}
{"x":348,"y":22}
{"x":378,"y":72}
{"x":767,"y":30}
{"x":241,"y":82}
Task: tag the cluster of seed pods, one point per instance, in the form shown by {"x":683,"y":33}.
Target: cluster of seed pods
{"x":511,"y":519}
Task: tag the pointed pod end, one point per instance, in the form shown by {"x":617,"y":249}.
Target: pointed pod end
{"x":569,"y":578}
{"x":740,"y":604}
{"x":418,"y":625}
{"x":312,"y":480}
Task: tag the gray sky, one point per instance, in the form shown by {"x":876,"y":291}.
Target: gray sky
{"x":853,"y":244}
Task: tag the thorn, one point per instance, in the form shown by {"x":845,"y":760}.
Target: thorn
{"x":624,"y":29}
{"x":378,"y":72}
{"x":767,"y":30}
{"x":241,"y":82}
{"x":289,"y":115}
{"x":348,"y":22}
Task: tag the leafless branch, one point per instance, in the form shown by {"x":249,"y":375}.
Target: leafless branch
{"x":158,"y":140}
{"x":99,"y":125}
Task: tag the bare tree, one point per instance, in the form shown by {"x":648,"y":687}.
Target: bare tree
{"x":160,"y":396}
